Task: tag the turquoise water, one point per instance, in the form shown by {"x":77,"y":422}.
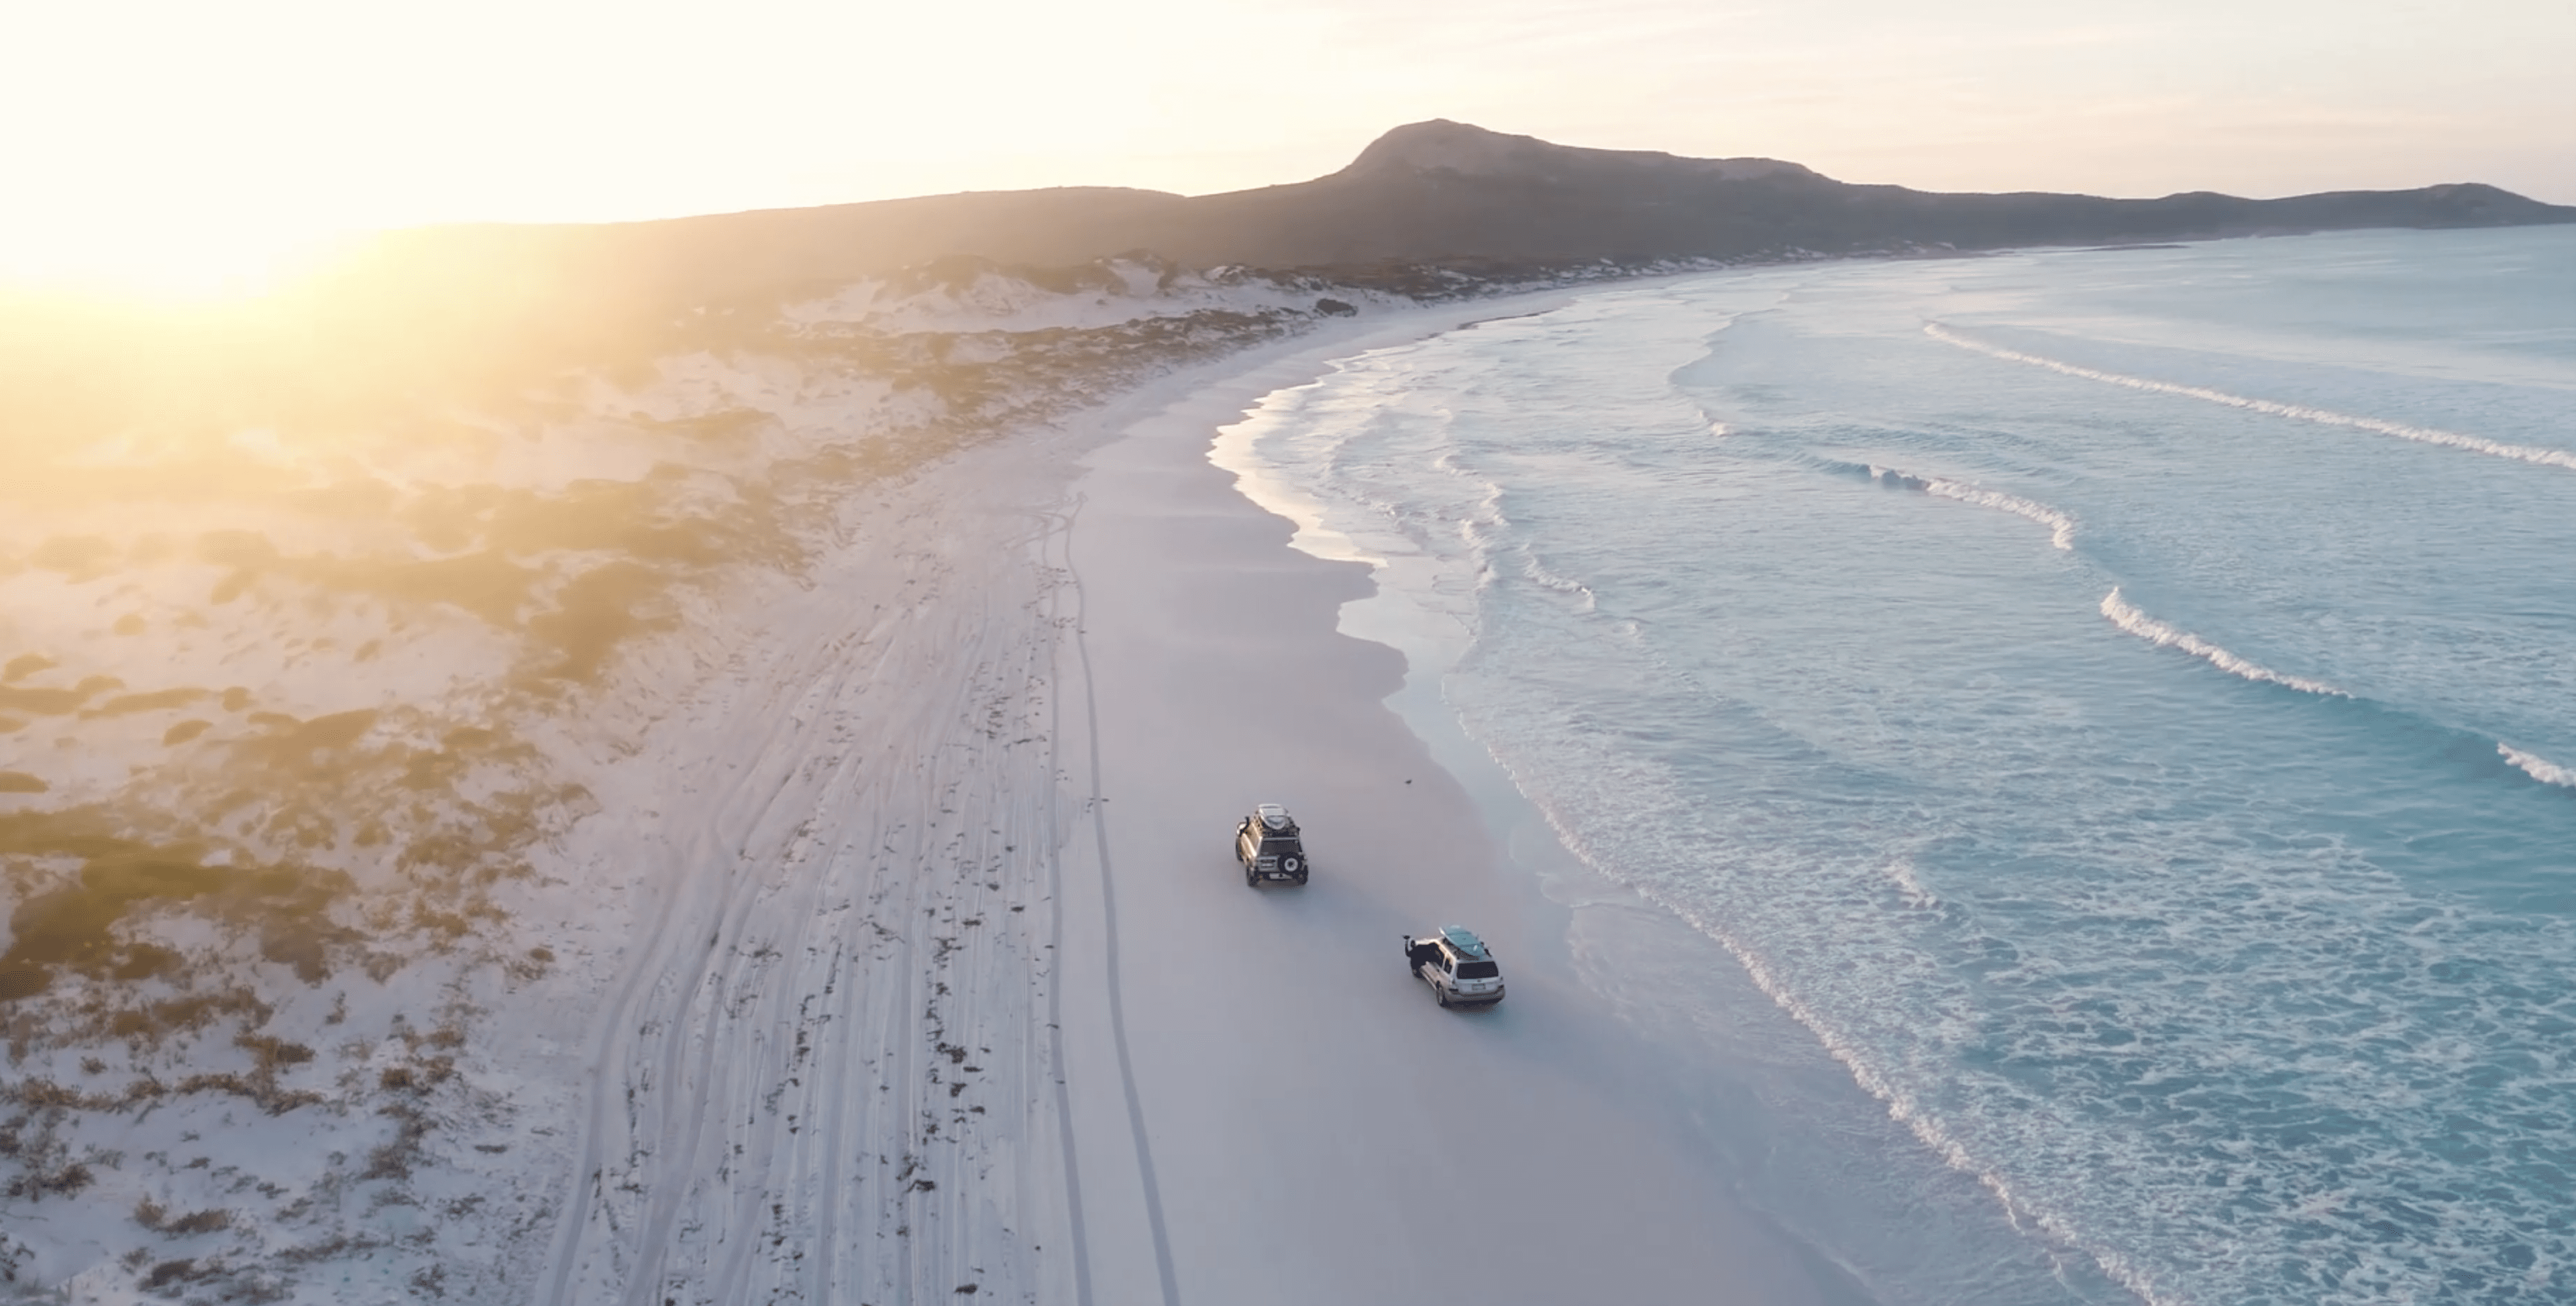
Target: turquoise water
{"x":2121,"y":703}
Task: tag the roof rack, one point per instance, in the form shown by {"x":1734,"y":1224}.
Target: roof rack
{"x":1465,"y":941}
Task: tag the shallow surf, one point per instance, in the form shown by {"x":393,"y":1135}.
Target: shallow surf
{"x":2115,"y":706}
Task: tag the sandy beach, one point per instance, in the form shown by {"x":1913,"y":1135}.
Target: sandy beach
{"x":1318,"y":1129}
{"x":866,"y":929}
{"x":945,"y":976}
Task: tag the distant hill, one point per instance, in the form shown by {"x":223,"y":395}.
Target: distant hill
{"x":1427,"y":192}
{"x":1444,"y":190}
{"x":484,"y":309}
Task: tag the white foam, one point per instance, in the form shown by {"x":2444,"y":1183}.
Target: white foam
{"x":2131,"y":938}
{"x":2061,"y":527}
{"x":2539,"y":768}
{"x":2419,"y":434}
{"x":1854,"y":1051}
{"x":1911,"y":885}
{"x":1537,"y":573}
{"x":2127,"y":617}
{"x":1236,"y":449}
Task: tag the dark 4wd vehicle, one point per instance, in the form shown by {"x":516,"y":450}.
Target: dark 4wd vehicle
{"x":1457,"y":965}
{"x":1266,"y":843}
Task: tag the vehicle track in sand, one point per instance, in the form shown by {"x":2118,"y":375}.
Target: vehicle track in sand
{"x":1109,"y":948}
{"x":831,"y":1068}
{"x":1060,"y":541}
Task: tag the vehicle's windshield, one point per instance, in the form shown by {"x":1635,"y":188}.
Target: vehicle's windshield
{"x":1477,"y":970}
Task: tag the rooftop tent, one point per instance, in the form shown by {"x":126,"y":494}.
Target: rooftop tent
{"x":1464,"y":940}
{"x":1275,"y":816}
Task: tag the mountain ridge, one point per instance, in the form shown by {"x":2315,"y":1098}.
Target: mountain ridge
{"x":1422,"y":193}
{"x":1435,"y":208}
{"x":1438,"y":144}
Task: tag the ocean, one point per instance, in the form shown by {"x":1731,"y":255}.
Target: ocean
{"x":2121,"y":704}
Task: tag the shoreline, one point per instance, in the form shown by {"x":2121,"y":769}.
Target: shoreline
{"x":821,"y":1002}
{"x":1326,"y":1069}
{"x":816,"y":762}
{"x":1820,"y":1169}
{"x":805,"y":1013}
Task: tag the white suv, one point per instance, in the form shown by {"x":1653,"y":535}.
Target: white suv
{"x":1457,"y":965}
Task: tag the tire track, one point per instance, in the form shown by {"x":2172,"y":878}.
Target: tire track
{"x":1109,"y":913}
{"x":613,"y":1049}
{"x":644,"y":1287}
{"x":1062,"y":534}
{"x":801,"y":918}
{"x":854,"y":887}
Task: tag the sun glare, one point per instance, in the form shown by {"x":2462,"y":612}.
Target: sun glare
{"x":182,"y":149}
{"x":192,"y":258}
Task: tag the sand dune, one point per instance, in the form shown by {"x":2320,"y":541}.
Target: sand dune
{"x":348,"y":767}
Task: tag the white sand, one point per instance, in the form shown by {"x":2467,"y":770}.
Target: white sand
{"x":837,"y":1011}
{"x":1318,"y":1129}
{"x":836,"y":1058}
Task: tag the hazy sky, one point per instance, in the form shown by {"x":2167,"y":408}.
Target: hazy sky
{"x":187,"y":140}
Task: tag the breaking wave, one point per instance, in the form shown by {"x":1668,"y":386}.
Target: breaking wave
{"x":2127,"y":617}
{"x":2301,"y":412}
{"x":2061,"y":527}
{"x":2538,"y":768}
{"x":2026,"y":910}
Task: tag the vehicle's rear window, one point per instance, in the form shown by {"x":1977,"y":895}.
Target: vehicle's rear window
{"x":1277,"y":847}
{"x":1477,"y":970}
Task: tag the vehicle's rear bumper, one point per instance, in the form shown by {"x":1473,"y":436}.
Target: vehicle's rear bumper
{"x":1457,"y":999}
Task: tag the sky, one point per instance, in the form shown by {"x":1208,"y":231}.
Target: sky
{"x":195,"y":146}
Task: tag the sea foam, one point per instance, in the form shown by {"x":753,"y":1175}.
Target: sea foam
{"x":2301,"y":412}
{"x":2156,"y":971}
{"x":2538,"y":768}
{"x":2061,"y":527}
{"x":2126,"y":616}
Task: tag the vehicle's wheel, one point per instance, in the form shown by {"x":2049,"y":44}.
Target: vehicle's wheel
{"x":1301,"y":878}
{"x":1251,"y":878}
{"x":1440,"y":995}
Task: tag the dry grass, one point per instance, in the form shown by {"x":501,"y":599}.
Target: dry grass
{"x":72,"y":925}
{"x":150,"y":1215}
